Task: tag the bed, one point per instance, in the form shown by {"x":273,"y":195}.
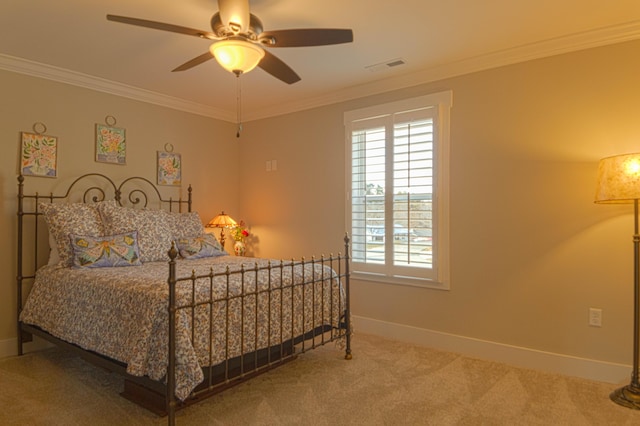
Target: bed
{"x":130,"y":280}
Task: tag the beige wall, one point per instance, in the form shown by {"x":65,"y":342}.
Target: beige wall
{"x":208,"y":149}
{"x":530,"y":252}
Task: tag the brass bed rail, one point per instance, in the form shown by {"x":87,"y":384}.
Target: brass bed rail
{"x":333,"y":281}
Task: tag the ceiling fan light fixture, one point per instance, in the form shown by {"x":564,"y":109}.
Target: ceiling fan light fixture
{"x":237,"y":55}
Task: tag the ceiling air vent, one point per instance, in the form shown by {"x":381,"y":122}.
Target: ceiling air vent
{"x":386,"y":65}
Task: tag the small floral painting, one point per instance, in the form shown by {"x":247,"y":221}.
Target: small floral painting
{"x":39,"y":155}
{"x":110,"y":144}
{"x":169,"y":168}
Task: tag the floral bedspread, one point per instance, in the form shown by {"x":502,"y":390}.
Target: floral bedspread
{"x":122,"y":312}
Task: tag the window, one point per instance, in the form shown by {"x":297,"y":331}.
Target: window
{"x":397,"y":178}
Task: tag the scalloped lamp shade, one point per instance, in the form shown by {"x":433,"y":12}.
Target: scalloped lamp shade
{"x":237,"y":56}
{"x":618,"y":179}
{"x":221,"y":221}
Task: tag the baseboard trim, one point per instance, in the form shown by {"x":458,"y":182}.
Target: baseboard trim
{"x":9,"y":347}
{"x":591,"y":369}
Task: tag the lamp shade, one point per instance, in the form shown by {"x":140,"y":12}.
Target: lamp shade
{"x":221,"y":221}
{"x":237,"y":56}
{"x":618,"y":179}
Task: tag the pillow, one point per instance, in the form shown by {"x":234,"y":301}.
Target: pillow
{"x":206,"y":245}
{"x":100,"y":252}
{"x":185,"y":224}
{"x":154,"y":233}
{"x":72,"y":218}
{"x":54,"y":254}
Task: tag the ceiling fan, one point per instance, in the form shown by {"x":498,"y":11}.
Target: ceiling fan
{"x":240,"y":40}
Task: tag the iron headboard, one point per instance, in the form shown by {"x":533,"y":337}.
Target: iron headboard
{"x":135,"y":192}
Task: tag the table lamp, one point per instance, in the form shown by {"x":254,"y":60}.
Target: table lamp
{"x":221,"y":221}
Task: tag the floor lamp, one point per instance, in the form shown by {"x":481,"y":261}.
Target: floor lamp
{"x":619,"y":182}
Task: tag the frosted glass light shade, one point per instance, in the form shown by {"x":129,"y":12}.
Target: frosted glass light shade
{"x":618,"y":179}
{"x":237,"y":55}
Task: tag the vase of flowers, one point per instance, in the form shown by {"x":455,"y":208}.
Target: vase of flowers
{"x":239,"y":232}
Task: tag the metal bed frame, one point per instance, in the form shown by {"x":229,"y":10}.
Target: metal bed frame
{"x":155,"y":395}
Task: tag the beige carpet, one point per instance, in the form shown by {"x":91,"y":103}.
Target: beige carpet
{"x":387,"y":383}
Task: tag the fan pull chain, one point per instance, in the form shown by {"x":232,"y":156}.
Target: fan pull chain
{"x":239,"y":104}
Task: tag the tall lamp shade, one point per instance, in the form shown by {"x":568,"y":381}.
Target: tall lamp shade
{"x":222,"y":221}
{"x":618,"y":179}
{"x":619,"y":182}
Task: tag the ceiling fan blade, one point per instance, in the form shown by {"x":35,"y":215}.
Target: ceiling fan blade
{"x":195,"y":61}
{"x":162,"y":26}
{"x":274,"y":66}
{"x":306,"y":37}
{"x":235,"y":14}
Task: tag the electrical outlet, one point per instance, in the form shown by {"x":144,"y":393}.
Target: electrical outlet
{"x":595,"y":317}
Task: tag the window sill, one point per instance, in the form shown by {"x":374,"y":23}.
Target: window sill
{"x":398,"y":280}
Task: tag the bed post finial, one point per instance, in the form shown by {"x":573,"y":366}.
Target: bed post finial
{"x":173,"y":252}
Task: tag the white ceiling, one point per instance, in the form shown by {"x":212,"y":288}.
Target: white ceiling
{"x":71,"y":41}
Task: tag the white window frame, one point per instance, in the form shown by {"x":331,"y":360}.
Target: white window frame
{"x":438,"y":277}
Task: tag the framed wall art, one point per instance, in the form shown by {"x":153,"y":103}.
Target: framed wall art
{"x":169,"y":168}
{"x":39,"y":154}
{"x":111,"y":144}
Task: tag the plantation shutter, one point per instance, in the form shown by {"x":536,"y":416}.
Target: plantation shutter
{"x":392,"y":192}
{"x":397,"y":188}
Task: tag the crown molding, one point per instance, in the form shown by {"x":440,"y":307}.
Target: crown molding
{"x":556,"y":46}
{"x":62,"y":75}
{"x":574,"y":42}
